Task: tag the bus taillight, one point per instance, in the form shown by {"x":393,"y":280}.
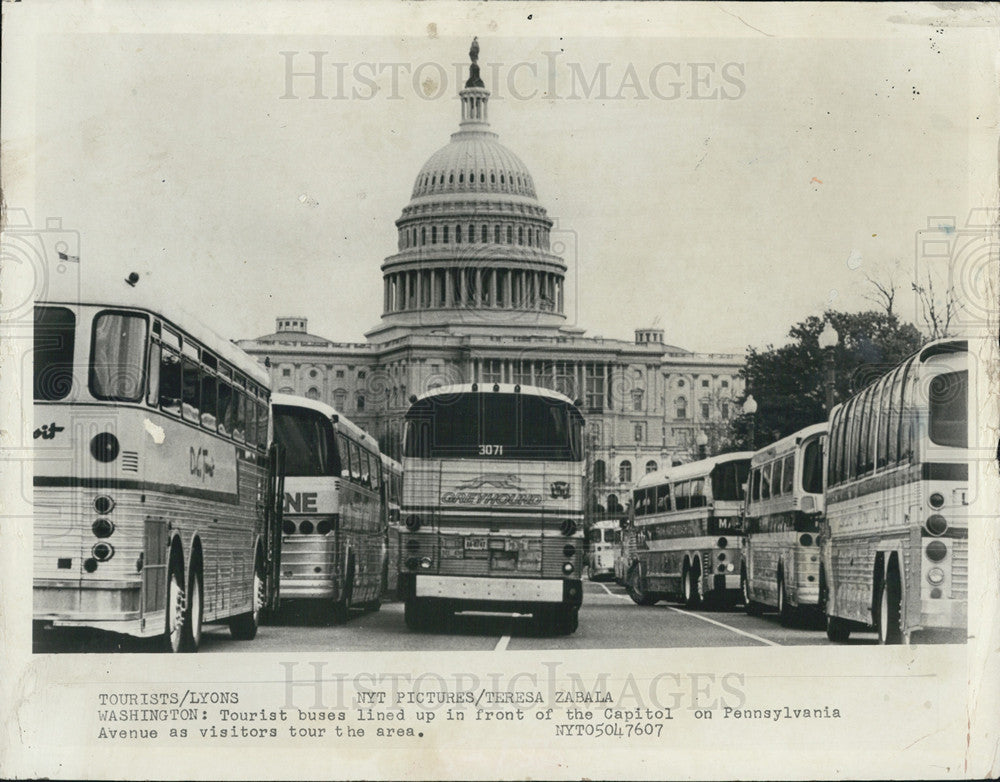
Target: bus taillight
{"x":936,"y":524}
{"x":103,"y":528}
{"x":936,"y":551}
{"x":103,"y":551}
{"x":413,"y":522}
{"x":568,"y":527}
{"x":103,"y":504}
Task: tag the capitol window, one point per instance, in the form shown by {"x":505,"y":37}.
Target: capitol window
{"x":681,"y":407}
{"x":520,"y":234}
{"x":510,"y":234}
{"x":434,"y":234}
{"x":445,"y":238}
{"x":625,"y":472}
{"x":458,"y":234}
{"x":496,"y":234}
{"x":483,"y":239}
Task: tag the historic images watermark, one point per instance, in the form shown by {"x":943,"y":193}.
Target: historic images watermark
{"x":320,"y":75}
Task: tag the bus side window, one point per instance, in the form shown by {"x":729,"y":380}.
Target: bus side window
{"x":851,"y":441}
{"x":663,"y":498}
{"x":376,"y":467}
{"x":681,"y":495}
{"x":262,"y":424}
{"x":191,"y":394}
{"x":832,"y":444}
{"x":345,"y":456}
{"x":881,"y":446}
{"x":776,"y":478}
{"x":240,"y":421}
{"x":909,"y":412}
{"x":355,"y":462}
{"x":209,"y":399}
{"x":698,"y":499}
{"x":251,"y":415}
{"x":892,"y":419}
{"x":153,"y":382}
{"x":765,"y":482}
{"x":871,"y":424}
{"x":788,"y":474}
{"x":170,"y":382}
{"x":366,"y":468}
{"x":227,"y":415}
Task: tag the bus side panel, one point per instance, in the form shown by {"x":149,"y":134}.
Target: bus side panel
{"x":154,"y":571}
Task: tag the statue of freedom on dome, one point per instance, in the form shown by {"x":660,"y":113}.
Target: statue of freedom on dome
{"x":474,"y":80}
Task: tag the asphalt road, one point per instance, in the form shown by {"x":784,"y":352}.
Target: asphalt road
{"x":608,"y":620}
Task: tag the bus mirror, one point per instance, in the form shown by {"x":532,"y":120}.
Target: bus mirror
{"x":413,"y":398}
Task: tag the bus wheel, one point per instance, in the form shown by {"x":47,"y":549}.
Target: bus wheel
{"x":191,"y":639}
{"x":889,"y":629}
{"x":244,"y":627}
{"x":786,"y":613}
{"x":693,"y":590}
{"x":174,"y":630}
{"x":566,"y":621}
{"x":753,"y":608}
{"x":635,"y":591}
{"x":837,"y":630}
{"x":414,"y":614}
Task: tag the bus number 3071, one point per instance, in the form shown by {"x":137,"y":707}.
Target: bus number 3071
{"x":491,"y":450}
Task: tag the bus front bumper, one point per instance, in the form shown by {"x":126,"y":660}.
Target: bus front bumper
{"x":500,"y":593}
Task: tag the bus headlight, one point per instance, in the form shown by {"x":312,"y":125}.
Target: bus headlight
{"x":568,"y":568}
{"x":102,"y":528}
{"x":935,"y":576}
{"x":936,"y":500}
{"x":806,"y":539}
{"x":104,"y":447}
{"x":413,"y":522}
{"x":569,"y":550}
{"x":425,"y":562}
{"x":288,"y":527}
{"x":936,"y":551}
{"x":104,"y":504}
{"x":568,"y":527}
{"x":306,"y":527}
{"x":936,"y":524}
{"x":722,"y":543}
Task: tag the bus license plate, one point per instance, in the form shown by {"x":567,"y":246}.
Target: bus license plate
{"x":503,"y":560}
{"x":475,"y":544}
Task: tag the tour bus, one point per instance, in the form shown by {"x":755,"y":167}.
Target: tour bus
{"x":155,"y":492}
{"x":392,"y":496}
{"x":493,"y":505}
{"x":784,"y":506}
{"x":894,"y":545}
{"x":686,"y":529}
{"x":333,"y":541}
{"x":603,"y":545}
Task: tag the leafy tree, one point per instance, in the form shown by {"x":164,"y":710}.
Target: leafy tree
{"x":789,"y":382}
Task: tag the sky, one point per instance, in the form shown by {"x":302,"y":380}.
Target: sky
{"x":720,"y":177}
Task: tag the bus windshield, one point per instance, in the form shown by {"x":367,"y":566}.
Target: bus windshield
{"x":310,"y":446}
{"x":495,"y":425}
{"x":728,"y":480}
{"x":55,"y":328}
{"x":949,"y":409}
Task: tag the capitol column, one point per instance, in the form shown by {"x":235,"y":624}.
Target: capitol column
{"x":448,"y":292}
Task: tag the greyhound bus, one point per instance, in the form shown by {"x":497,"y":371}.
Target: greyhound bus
{"x":895,"y":548}
{"x":603,"y":545}
{"x":686,"y":530}
{"x":155,"y":492}
{"x":784,"y":506}
{"x":333,"y":541}
{"x":493,"y":505}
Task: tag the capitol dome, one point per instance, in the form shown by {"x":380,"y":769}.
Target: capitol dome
{"x":474,"y":242}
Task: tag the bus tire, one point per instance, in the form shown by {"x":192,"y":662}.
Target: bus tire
{"x":890,"y":630}
{"x":415,"y":614}
{"x":837,"y":629}
{"x":752,"y":607}
{"x":694,"y":594}
{"x":566,"y":621}
{"x":191,"y":638}
{"x":244,"y":627}
{"x":786,"y":612}
{"x":634,"y":587}
{"x":173,"y":631}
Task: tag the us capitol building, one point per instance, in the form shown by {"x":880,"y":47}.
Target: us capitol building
{"x":475,"y":293}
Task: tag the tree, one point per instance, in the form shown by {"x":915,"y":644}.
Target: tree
{"x":936,"y":313}
{"x":788,"y":382}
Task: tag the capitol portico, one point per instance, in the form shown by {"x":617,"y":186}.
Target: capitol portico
{"x":476,"y":292}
